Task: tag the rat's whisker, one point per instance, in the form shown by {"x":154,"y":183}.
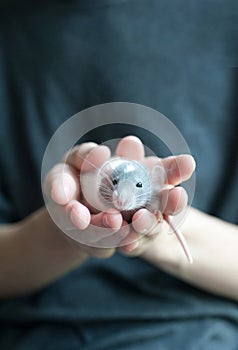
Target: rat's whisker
{"x":108,"y":178}
{"x":105,"y":189}
{"x":143,"y":194}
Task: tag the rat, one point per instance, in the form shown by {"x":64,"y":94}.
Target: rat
{"x":127,"y":185}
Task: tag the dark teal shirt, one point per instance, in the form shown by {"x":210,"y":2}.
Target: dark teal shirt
{"x":59,"y":57}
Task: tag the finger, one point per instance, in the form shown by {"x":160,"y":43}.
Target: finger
{"x":144,"y":221}
{"x":173,"y":201}
{"x":144,"y":224}
{"x":142,"y":245}
{"x":110,"y":219}
{"x":130,"y":147}
{"x":177,"y":168}
{"x":115,"y":239}
{"x":88,"y":156}
{"x":76,"y":155}
{"x":61,"y":184}
{"x":135,"y":243}
{"x":79,"y":214}
{"x":102,"y":225}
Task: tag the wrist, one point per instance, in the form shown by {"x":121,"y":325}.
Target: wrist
{"x":51,"y":241}
{"x":166,"y":251}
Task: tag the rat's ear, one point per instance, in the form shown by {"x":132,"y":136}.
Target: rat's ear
{"x":158,"y":177}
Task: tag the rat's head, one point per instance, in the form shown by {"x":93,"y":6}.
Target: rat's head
{"x":124,"y":184}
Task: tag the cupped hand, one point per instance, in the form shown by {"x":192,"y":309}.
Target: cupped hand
{"x":100,"y":233}
{"x":170,"y":200}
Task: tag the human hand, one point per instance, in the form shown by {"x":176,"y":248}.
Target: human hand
{"x":169,"y":201}
{"x":62,"y":187}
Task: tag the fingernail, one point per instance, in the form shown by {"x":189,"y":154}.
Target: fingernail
{"x":58,"y":193}
{"x":67,"y":192}
{"x":148,"y":224}
{"x":194,"y":163}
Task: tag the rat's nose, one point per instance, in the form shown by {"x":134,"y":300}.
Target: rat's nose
{"x":124,"y":196}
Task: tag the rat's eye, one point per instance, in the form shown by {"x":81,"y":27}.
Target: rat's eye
{"x":114,"y":182}
{"x":139,"y":184}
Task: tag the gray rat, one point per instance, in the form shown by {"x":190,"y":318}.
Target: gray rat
{"x":128,"y":186}
{"x":125,"y":185}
